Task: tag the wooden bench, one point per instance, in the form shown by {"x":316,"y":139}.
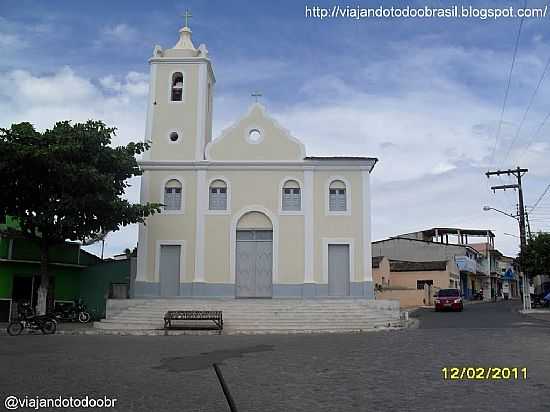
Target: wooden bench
{"x":195,"y":315}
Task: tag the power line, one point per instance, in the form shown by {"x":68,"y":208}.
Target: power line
{"x":534,"y":136}
{"x":528,"y":108}
{"x":540,"y":198}
{"x":507,"y":89}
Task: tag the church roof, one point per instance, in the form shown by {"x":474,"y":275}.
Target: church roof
{"x":351,"y":158}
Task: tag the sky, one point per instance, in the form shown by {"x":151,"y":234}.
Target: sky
{"x":424,"y":96}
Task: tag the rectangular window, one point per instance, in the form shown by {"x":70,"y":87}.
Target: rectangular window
{"x":172,"y":198}
{"x":337,"y":200}
{"x":292,"y":199}
{"x":218,"y":198}
{"x":420,"y":283}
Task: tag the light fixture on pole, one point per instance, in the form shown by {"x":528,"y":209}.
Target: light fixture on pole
{"x":526,"y":294}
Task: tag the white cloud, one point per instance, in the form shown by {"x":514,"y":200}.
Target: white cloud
{"x":432,"y":132}
{"x":134,"y":84}
{"x":118,"y":34}
{"x":65,"y":95}
{"x":11,"y":41}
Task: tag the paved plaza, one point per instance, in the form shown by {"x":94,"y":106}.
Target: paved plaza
{"x":379,"y":371}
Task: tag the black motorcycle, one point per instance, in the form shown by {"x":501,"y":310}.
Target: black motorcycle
{"x":538,"y":300}
{"x":28,"y":319}
{"x":74,"y":313}
{"x":478,"y":295}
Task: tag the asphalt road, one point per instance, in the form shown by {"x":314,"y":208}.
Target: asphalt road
{"x":381,"y":371}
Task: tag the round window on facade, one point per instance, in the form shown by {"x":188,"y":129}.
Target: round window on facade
{"x":174,"y":137}
{"x":254,"y":136}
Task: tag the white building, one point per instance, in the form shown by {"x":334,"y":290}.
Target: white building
{"x":247,"y":214}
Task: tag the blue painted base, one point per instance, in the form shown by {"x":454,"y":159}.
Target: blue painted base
{"x":203,"y":289}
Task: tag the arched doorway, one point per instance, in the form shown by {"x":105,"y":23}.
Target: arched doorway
{"x":254,"y":256}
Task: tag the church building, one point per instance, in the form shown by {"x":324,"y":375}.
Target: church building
{"x":247,"y":214}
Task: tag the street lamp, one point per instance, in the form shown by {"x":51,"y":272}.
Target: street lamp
{"x":526,"y":294}
{"x":487,"y":208}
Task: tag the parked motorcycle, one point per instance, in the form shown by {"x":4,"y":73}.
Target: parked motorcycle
{"x":75,"y":313}
{"x":478,"y":295}
{"x":540,"y":300}
{"x":29,"y":320}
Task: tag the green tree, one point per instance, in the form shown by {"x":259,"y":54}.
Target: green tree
{"x":67,"y":184}
{"x":536,"y":259}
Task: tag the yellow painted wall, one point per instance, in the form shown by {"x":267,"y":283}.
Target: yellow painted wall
{"x":172,"y":226}
{"x":275,"y":143}
{"x":336,"y":226}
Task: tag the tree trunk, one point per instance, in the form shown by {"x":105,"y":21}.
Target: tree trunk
{"x":42,"y":300}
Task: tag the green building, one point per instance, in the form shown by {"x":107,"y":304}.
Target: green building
{"x":74,"y":274}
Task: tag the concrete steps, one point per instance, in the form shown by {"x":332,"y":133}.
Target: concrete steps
{"x":259,"y":315}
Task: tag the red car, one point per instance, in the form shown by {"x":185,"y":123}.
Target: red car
{"x":448,"y":299}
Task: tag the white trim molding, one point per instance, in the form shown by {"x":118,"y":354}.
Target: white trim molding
{"x":251,"y":129}
{"x":202,"y":91}
{"x":309,"y":226}
{"x":346,"y":212}
{"x":227,"y":131}
{"x":294,"y":165}
{"x":143,"y":231}
{"x":366,"y":226}
{"x":233,"y":239}
{"x":339,"y":241}
{"x":150,"y":119}
{"x":183,"y":90}
{"x":227,"y":210}
{"x":180,"y":136}
{"x":200,"y":221}
{"x":160,"y":243}
{"x":281,"y":186}
{"x":181,"y":210}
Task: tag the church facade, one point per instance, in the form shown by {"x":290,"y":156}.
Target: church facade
{"x":247,"y":214}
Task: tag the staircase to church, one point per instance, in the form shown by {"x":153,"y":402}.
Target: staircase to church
{"x":249,"y":316}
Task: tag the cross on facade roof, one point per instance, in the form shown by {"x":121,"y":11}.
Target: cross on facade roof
{"x":187,"y":16}
{"x":256,"y":95}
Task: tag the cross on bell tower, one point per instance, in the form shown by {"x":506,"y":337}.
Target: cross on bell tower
{"x":256,"y":95}
{"x":187,"y":16}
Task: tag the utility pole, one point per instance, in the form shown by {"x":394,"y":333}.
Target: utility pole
{"x":517,"y":173}
{"x":528,"y":227}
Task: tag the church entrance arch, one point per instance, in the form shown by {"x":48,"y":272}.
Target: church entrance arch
{"x":254,"y":256}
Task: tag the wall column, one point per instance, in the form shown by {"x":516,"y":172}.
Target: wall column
{"x":199,"y":234}
{"x":143,"y":247}
{"x":366,"y":235}
{"x":309,"y":235}
{"x":201,"y":112}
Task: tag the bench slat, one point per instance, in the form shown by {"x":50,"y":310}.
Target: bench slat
{"x":176,"y":315}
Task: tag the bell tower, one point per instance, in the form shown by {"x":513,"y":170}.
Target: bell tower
{"x":179,"y":115}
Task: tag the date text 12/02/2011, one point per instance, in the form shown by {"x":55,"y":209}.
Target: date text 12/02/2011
{"x":483,"y":373}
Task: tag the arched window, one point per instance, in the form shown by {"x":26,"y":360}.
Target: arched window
{"x":217,"y":199}
{"x":177,"y":87}
{"x":292,"y":197}
{"x":337,"y":196}
{"x":172,"y":195}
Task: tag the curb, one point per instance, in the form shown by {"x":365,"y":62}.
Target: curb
{"x":190,"y":332}
{"x":412,"y":323}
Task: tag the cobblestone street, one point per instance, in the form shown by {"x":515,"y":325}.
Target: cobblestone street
{"x":382,"y":371}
